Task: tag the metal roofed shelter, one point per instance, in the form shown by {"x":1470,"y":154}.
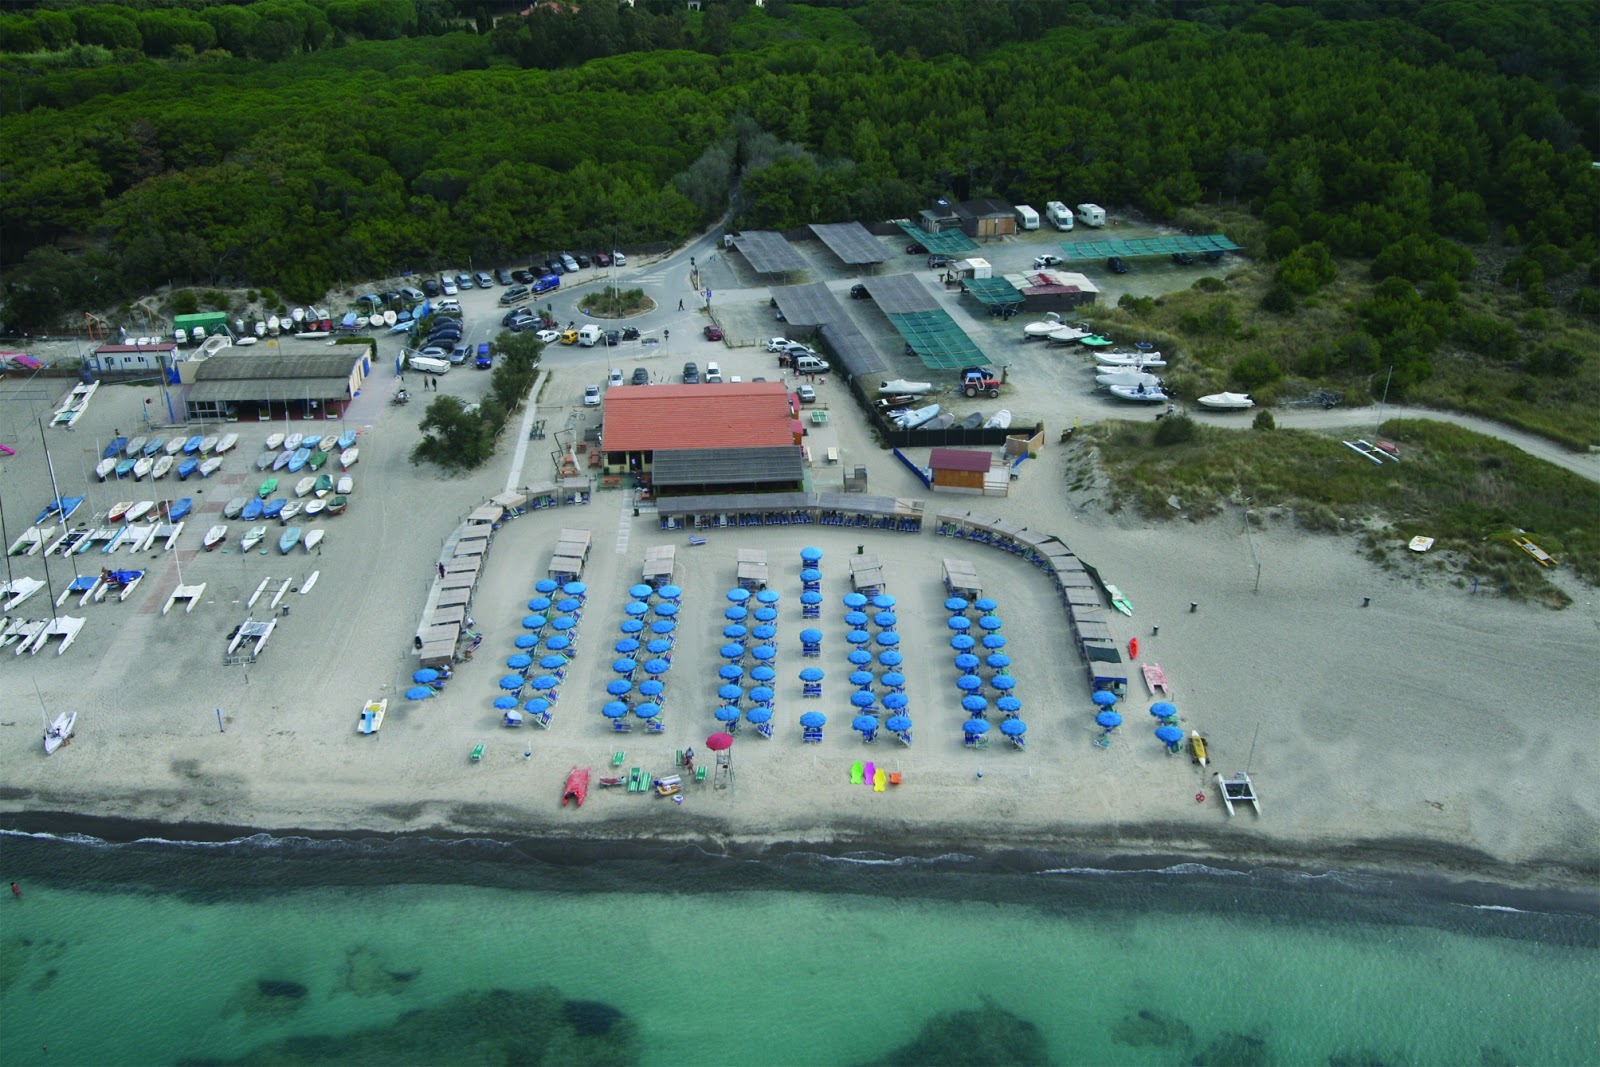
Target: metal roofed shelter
{"x":949,"y":242}
{"x":254,"y":384}
{"x":928,"y":330}
{"x":1215,"y":243}
{"x":814,"y":304}
{"x":993,"y":293}
{"x":852,"y":242}
{"x":769,"y":252}
{"x":751,"y":470}
{"x":1054,"y":290}
{"x":642,"y":420}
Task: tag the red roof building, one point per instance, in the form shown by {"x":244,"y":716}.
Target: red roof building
{"x":959,"y":469}
{"x":734,"y":436}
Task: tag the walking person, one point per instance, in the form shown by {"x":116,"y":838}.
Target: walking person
{"x":680,"y":305}
{"x":441,"y":570}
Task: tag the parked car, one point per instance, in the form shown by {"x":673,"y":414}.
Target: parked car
{"x":1116,"y":266}
{"x":806,"y":394}
{"x":1183,"y":259}
{"x":1046,"y":260}
{"x":569,"y":337}
{"x":447,"y":285}
{"x":713,"y":373}
{"x":568,"y":262}
{"x":630,"y":333}
{"x":552,"y":265}
{"x":485,"y":360}
{"x":503,"y":276}
{"x":583,"y":261}
{"x":435,"y":352}
{"x":859,"y":292}
{"x":641,"y":376}
{"x":514,"y":314}
{"x":526,"y":322}
{"x":591,"y":396}
{"x":691,"y":374}
{"x":464,"y":281}
{"x":483,"y":280}
{"x":523,"y":277}
{"x":602,"y":260}
{"x":615,"y":377}
{"x":713,"y":332}
{"x":459,"y":353}
{"x":447,"y":306}
{"x":430,"y":287}
{"x":449,"y":337}
{"x":916,"y":250}
{"x":612,"y":338}
{"x":938,"y":259}
{"x":618,"y":259}
{"x":549,"y":337}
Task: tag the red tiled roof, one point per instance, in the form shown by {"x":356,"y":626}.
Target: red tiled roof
{"x":641,"y":418}
{"x":956,"y":459}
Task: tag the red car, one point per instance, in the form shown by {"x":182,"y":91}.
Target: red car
{"x":916,"y":250}
{"x":713,"y":332}
{"x":602,"y":260}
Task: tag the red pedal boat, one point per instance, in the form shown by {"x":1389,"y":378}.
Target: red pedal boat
{"x":577,"y":786}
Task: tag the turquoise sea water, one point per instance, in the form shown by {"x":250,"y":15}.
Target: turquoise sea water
{"x":156,"y":953}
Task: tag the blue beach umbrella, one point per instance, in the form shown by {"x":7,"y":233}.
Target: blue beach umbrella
{"x":1162,"y":709}
{"x":899,"y":723}
{"x":618,"y":686}
{"x":890,"y":658}
{"x":888,"y":639}
{"x":958,"y":623}
{"x":425,"y":675}
{"x":969,"y":683}
{"x":538,"y":705}
{"x":534,"y":622}
{"x":730,"y":671}
{"x":632,"y":626}
{"x":558,"y":642}
{"x":1109,"y":719}
{"x":564,"y":622}
{"x":640,"y":591}
{"x":962,"y":642}
{"x":625,"y":665}
{"x":859,"y":656}
{"x":883,"y":600}
{"x":966,"y":663}
{"x":896,"y":701}
{"x":811,"y":596}
{"x":647,"y":711}
{"x":730,"y":693}
{"x":663,"y":626}
{"x":520,"y":662}
{"x":546,"y":682}
{"x":768,"y":596}
{"x":546,"y":586}
{"x":759,"y":715}
{"x":419,"y":692}
{"x":1003,"y":682}
{"x":855,"y":619}
{"x":810,"y":554}
{"x":614,"y":710}
{"x":998,"y":660}
{"x":568,"y":606}
{"x":1008,"y":704}
{"x":657,"y":666}
{"x":993,"y":641}
{"x":764,"y":652}
{"x":858,"y":637}
{"x":1104,"y":698}
{"x":512,"y":682}
{"x":659,"y":646}
{"x":764,"y":632}
{"x":539,"y":603}
{"x":811,"y":574}
{"x":671,"y":592}
{"x":734,"y":632}
{"x":893,"y":679}
{"x":1169,"y":735}
{"x":955,"y":603}
{"x":766,"y":614}
{"x":638,"y":607}
{"x":761,"y":695}
{"x":733,"y":650}
{"x":736,"y":614}
{"x":974,"y":704}
{"x":666,"y":610}
{"x":811,"y":636}
{"x":1013,"y":727}
{"x":505,"y":703}
{"x":763,"y":674}
{"x":738,"y":596}
{"x":813,"y":719}
{"x":811,"y":674}
{"x":855,"y":600}
{"x":862,"y":699}
{"x":990,"y":622}
{"x":726,"y":714}
{"x":975,"y":727}
{"x":525,"y":641}
{"x":862,"y":678}
{"x":985,"y":604}
{"x":576,"y":589}
{"x":552,"y":662}
{"x":627,"y":646}
{"x":865,"y":723}
{"x":885,"y":618}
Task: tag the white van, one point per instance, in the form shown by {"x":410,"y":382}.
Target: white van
{"x":429,"y":365}
{"x":810,"y":365}
{"x":713,"y":373}
{"x":590,"y":335}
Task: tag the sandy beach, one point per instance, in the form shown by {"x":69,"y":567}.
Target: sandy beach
{"x":1432,"y":729}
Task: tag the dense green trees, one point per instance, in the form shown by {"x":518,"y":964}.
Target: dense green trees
{"x":308,"y":143}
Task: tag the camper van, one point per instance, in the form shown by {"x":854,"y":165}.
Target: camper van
{"x":1059,"y":214}
{"x":1027,"y":217}
{"x":590,"y":335}
{"x":429,"y":365}
{"x":1092,"y":214}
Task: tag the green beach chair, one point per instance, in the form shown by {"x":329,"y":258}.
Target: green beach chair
{"x":700,"y":773}
{"x":477,"y":752}
{"x":617,"y":757}
{"x":633,"y":780}
{"x":856,"y":773}
{"x":677,"y":759}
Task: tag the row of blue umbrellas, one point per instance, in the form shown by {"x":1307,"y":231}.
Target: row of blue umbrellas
{"x":966,"y":642}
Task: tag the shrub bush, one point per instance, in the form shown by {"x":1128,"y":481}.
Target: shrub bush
{"x":1175,"y":430}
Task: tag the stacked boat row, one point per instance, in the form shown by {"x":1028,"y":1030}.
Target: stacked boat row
{"x":158,"y":456}
{"x":295,"y":452}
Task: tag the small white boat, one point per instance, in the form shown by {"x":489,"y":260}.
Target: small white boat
{"x":942,"y":421}
{"x":139,"y":510}
{"x":288,"y":540}
{"x":215,"y":536}
{"x":298,"y":314}
{"x":208,"y":443}
{"x":348,"y":457}
{"x":346,"y":486}
{"x":1227,"y":401}
{"x":162,"y":468}
{"x":1127,"y":376}
{"x":141,"y":467}
{"x":283,"y":460}
{"x":390,"y":317}
{"x":254,"y":537}
{"x":265,"y":460}
{"x":273,"y":325}
{"x":210,"y":466}
{"x":135,"y":446}
{"x":233,"y":507}
{"x":1136,"y":358}
{"x":313,"y":539}
{"x":261,"y":329}
{"x":274,"y":442}
{"x":56,"y":734}
{"x":305,"y":485}
{"x":1420,"y":543}
{"x":917,"y":416}
{"x":372,"y":716}
{"x":290,"y":510}
{"x":1141,"y":394}
{"x":105,"y":468}
{"x":1042,"y":328}
{"x":1066,"y":335}
{"x":292,"y":442}
{"x":900,"y":385}
{"x":1000,"y":420}
{"x":314,"y":508}
{"x":173,"y":446}
{"x":376,"y":320}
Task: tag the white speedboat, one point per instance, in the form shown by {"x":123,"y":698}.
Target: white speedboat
{"x":1066,"y":335}
{"x":1000,"y":420}
{"x":305,"y":485}
{"x":215,"y":536}
{"x":346,"y":486}
{"x":313,"y":539}
{"x":162,"y":467}
{"x":1141,"y":394}
{"x":348,"y":457}
{"x":104,"y":468}
{"x":173,"y":446}
{"x":1227,"y":401}
{"x":1127,"y":376}
{"x":56,"y":734}
{"x":901,"y":386}
{"x":141,"y":467}
{"x":274,"y":442}
{"x":292,"y":442}
{"x":256,"y":535}
{"x":917,"y":416}
{"x":1135,"y":358}
{"x":1034,"y":330}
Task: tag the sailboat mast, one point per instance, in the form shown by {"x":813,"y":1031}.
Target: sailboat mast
{"x":49,"y":585}
{"x":56,"y":492}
